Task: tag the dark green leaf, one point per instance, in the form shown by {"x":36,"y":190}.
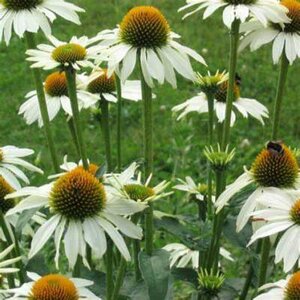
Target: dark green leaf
{"x":156,"y":273}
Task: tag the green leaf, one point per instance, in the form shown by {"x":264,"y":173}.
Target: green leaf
{"x":156,"y":273}
{"x":23,"y":220}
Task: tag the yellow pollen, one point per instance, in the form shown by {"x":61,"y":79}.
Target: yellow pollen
{"x":78,"y":194}
{"x":56,"y":84}
{"x":144,"y":26}
{"x":53,"y":287}
{"x":275,"y":166}
{"x":102,"y":84}
{"x":69,"y":53}
{"x":295,"y":212}
{"x":292,"y":290}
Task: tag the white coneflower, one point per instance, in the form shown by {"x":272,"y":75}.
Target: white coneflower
{"x":11,"y":158}
{"x":284,"y":289}
{"x":52,"y":286}
{"x":31,"y":15}
{"x":56,"y":93}
{"x":217,"y":85}
{"x":181,"y":255}
{"x":281,"y":214}
{"x":144,"y":37}
{"x":263,"y":10}
{"x":5,"y":265}
{"x":77,"y":53}
{"x":189,"y":186}
{"x":285,"y":36}
{"x":99,"y":84}
{"x":127,"y":186}
{"x":275,"y":166}
{"x":82,"y":213}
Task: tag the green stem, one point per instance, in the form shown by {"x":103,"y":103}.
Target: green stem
{"x":119,"y":280}
{"x":210,"y":99}
{"x":31,"y":44}
{"x":119,"y":124}
{"x":217,"y":228}
{"x":247,"y":284}
{"x":109,"y":270}
{"x":10,"y":239}
{"x":106,"y":131}
{"x":148,"y":155}
{"x":263,"y":270}
{"x":234,"y":40}
{"x":71,"y":83}
{"x":136,"y":251}
{"x":279,"y":96}
{"x":72,"y":129}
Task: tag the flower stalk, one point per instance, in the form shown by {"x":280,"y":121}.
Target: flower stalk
{"x":148,"y":155}
{"x":234,"y":41}
{"x":119,"y":124}
{"x":31,"y":44}
{"x":279,"y":95}
{"x":71,"y":83}
{"x":104,"y":106}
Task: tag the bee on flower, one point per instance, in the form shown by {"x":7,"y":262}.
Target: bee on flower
{"x":144,"y":37}
{"x":56,"y":93}
{"x":52,"y":286}
{"x":275,"y":167}
{"x":23,"y":16}
{"x":217,"y":85}
{"x":82,"y":213}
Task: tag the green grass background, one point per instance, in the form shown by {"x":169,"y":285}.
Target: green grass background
{"x":178,"y":145}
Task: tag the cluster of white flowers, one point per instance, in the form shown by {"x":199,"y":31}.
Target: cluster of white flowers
{"x":81,"y":209}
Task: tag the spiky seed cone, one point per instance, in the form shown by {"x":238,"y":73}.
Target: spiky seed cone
{"x":69,"y":53}
{"x":138,"y":192}
{"x":144,"y":26}
{"x":275,"y":166}
{"x":53,"y":287}
{"x":77,"y":195}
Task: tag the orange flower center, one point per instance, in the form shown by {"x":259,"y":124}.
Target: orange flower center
{"x":144,"y":26}
{"x":56,"y":84}
{"x":292,"y":290}
{"x":78,"y":194}
{"x":275,"y":166}
{"x":53,"y":287}
{"x":294,"y":14}
{"x":102,"y":84}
